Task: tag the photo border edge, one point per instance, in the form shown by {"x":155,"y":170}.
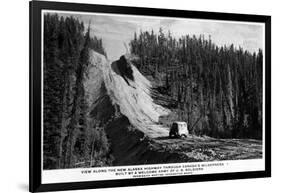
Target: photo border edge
{"x":35,"y":184}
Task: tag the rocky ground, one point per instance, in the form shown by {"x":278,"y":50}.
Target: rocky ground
{"x":210,"y":149}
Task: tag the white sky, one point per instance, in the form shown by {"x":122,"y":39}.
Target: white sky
{"x":115,"y":30}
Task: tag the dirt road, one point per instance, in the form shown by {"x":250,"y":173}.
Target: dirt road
{"x":209,"y":149}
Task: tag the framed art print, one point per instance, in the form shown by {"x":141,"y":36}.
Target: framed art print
{"x":125,"y":96}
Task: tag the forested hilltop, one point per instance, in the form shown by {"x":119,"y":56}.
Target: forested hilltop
{"x":69,"y":137}
{"x":216,"y":90}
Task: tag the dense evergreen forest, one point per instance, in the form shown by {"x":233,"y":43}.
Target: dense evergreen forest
{"x":216,"y":90}
{"x":70,"y":140}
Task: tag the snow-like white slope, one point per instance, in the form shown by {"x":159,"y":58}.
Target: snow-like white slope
{"x":134,"y":99}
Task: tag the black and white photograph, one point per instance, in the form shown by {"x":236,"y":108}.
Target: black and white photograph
{"x":140,"y":96}
{"x":133,"y":96}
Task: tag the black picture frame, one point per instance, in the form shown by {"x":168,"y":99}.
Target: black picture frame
{"x":35,"y":184}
